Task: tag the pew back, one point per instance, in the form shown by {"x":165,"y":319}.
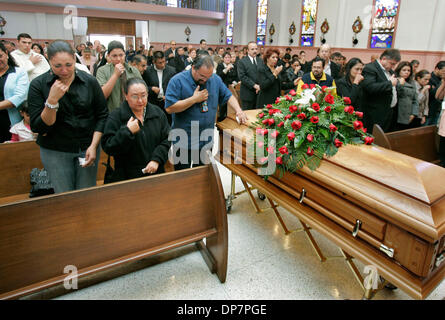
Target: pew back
{"x":104,"y":226}
{"x":420,"y":143}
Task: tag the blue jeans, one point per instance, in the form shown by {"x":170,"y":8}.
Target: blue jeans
{"x":65,"y":172}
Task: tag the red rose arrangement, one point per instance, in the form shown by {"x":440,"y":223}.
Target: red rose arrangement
{"x":294,"y":134}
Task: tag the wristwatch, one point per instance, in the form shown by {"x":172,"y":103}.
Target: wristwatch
{"x":52,"y":106}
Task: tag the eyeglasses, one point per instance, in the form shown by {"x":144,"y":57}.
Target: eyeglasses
{"x":135,"y":97}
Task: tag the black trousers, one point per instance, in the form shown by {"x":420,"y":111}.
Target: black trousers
{"x":442,"y":151}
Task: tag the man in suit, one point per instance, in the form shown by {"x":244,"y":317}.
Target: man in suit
{"x":248,"y":75}
{"x":157,"y":78}
{"x":178,"y":62}
{"x":379,"y":86}
{"x":170,"y":53}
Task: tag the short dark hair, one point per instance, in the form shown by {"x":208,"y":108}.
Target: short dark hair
{"x":202,"y":40}
{"x":23,"y":35}
{"x":132,"y":82}
{"x":158,"y":55}
{"x":115,"y":45}
{"x":39,"y":46}
{"x":24,"y":107}
{"x":413,"y":62}
{"x":138,"y":58}
{"x":392,"y":54}
{"x":286,"y":56}
{"x":317,"y":58}
{"x":336,"y":55}
{"x":440,"y":65}
{"x":226,"y":54}
{"x":59,"y":46}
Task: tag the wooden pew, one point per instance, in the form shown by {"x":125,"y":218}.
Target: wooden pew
{"x":18,"y":159}
{"x":106,"y":226}
{"x":420,"y":143}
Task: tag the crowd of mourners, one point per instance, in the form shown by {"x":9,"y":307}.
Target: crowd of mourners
{"x":74,"y":101}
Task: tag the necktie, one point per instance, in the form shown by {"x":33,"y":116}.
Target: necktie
{"x":254,"y":62}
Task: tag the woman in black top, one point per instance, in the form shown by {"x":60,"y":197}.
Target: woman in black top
{"x":268,"y":78}
{"x":227,"y":70}
{"x":292,"y":76}
{"x":68,"y":110}
{"x":349,"y":85}
{"x":136,"y":135}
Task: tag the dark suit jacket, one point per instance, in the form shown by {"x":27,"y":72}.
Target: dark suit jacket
{"x":168,"y":51}
{"x":248,"y":75}
{"x":377,"y":96}
{"x":150,"y":77}
{"x":178,"y":62}
{"x":270,"y":86}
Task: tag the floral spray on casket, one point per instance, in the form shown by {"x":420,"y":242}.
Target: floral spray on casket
{"x":300,"y":129}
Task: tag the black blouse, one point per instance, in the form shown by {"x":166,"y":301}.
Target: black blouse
{"x":82,"y":111}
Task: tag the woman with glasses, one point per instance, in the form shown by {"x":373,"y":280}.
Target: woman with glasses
{"x":136,"y":135}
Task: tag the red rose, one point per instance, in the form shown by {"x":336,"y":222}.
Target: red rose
{"x":347,"y":100}
{"x":332,"y":128}
{"x":296,"y":125}
{"x":301,"y":116}
{"x":310,"y":152}
{"x":279,"y":160}
{"x":269,"y":106}
{"x":369,"y":140}
{"x":283,"y":150}
{"x":265,"y":121}
{"x":288,"y":98}
{"x":314,"y":119}
{"x":310,"y":137}
{"x":261,"y":115}
{"x":293,"y":93}
{"x":271,"y":121}
{"x":275,"y":134}
{"x":293,"y":108}
{"x":324,"y":88}
{"x":312,"y":86}
{"x":287,"y":117}
{"x":280,"y":124}
{"x":278,"y":100}
{"x":271,"y":112}
{"x":265,"y":132}
{"x":349,"y":109}
{"x":359,"y":114}
{"x":329,"y":99}
{"x":260,"y":144}
{"x":328,"y":109}
{"x":316,"y":107}
{"x":270,"y":150}
{"x":305,"y":86}
{"x":338,"y":143}
{"x":364,"y":130}
{"x":291,"y":136}
{"x":358,"y":125}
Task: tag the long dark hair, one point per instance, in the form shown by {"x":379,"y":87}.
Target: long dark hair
{"x":401,"y":66}
{"x":351,"y":64}
{"x":11,"y":61}
{"x":35,"y":44}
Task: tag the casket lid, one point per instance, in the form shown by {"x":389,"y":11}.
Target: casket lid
{"x":414,"y":188}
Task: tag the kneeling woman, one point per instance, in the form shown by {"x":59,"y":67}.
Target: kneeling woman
{"x":136,"y":135}
{"x":68,"y":110}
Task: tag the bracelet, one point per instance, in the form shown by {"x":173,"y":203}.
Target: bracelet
{"x":52,"y":106}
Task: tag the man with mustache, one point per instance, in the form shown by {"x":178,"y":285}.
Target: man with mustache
{"x":192,"y":98}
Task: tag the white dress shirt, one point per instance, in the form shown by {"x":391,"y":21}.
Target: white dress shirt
{"x":34,"y":70}
{"x":394,"y":90}
{"x":161,"y":90}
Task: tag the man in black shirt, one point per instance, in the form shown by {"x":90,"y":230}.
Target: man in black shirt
{"x":434,"y":104}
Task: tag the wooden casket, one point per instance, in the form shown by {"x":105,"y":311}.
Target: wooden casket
{"x":382,"y":207}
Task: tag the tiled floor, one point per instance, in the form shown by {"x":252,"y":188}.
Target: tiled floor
{"x":264,"y":263}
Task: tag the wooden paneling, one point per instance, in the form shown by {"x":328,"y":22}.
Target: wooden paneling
{"x":111,"y":26}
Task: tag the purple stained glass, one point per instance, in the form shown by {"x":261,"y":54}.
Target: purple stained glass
{"x":307,"y":41}
{"x":384,"y":23}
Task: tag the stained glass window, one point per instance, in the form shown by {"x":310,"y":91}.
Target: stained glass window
{"x":229,"y":22}
{"x":308,"y":20}
{"x":384,"y":23}
{"x":261,"y":22}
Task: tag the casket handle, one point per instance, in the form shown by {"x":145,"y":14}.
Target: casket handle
{"x":302,"y":195}
{"x":358,"y":224}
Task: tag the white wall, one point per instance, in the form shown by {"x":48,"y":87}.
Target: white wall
{"x":166,"y":31}
{"x":38,"y":25}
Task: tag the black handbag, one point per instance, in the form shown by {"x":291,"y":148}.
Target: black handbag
{"x":109,"y":172}
{"x":40,"y":183}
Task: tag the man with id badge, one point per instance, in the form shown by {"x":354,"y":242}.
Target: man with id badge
{"x":192,"y":98}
